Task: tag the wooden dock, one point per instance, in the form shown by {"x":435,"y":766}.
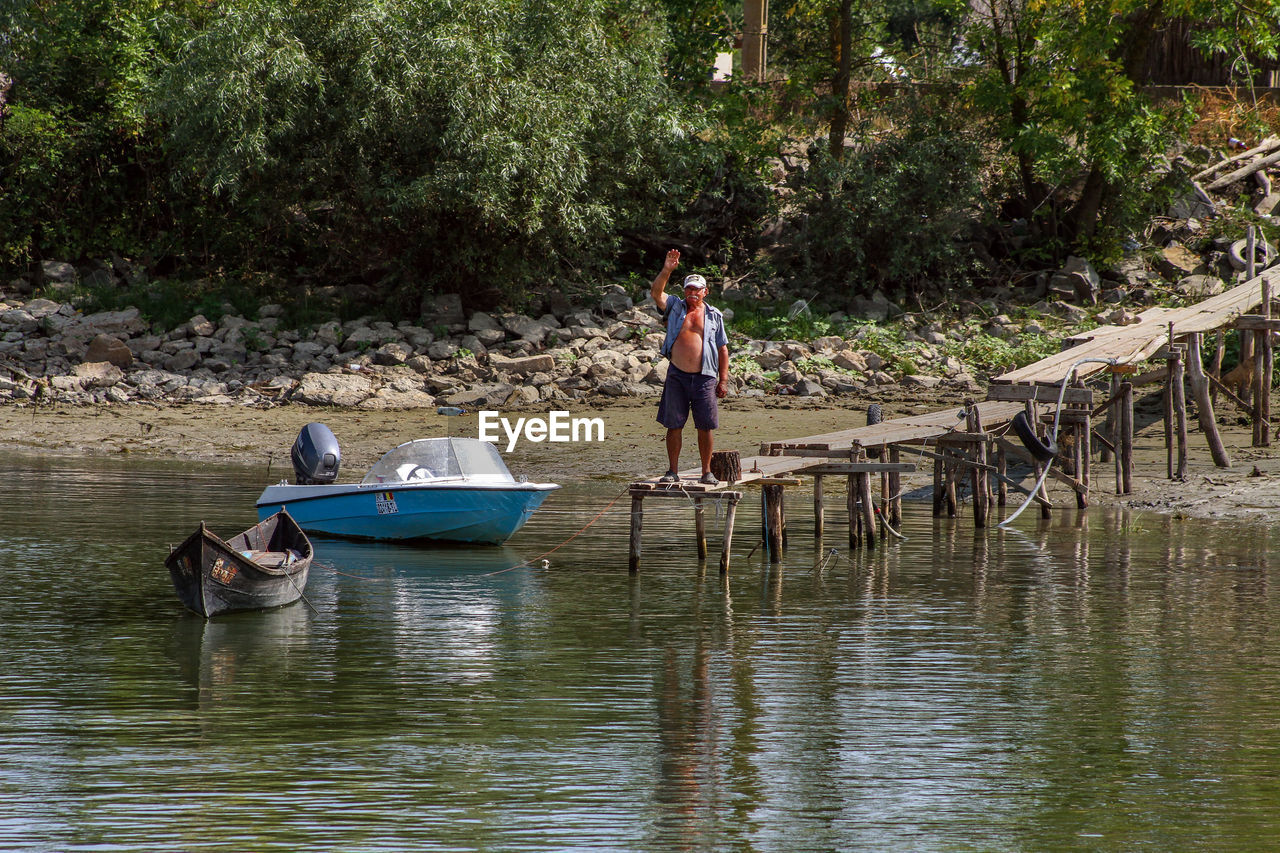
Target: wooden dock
{"x":972,"y":444}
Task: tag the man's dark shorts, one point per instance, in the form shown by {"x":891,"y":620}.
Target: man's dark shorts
{"x":684,"y":391}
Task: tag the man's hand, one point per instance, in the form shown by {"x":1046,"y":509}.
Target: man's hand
{"x":658,"y":290}
{"x":722,"y":389}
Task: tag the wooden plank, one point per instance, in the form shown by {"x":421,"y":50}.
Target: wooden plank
{"x":1256,"y":322}
{"x":1040,"y":393}
{"x":926,"y":427}
{"x":859,"y":468}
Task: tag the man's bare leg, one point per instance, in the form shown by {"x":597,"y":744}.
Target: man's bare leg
{"x":705,"y":442}
{"x":675,"y":438}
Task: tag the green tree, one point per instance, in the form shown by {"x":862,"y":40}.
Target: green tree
{"x":75,"y":165}
{"x":1059,"y":81}
{"x":457,"y":145}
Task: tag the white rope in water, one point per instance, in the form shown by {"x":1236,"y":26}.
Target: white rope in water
{"x":1053,"y":437}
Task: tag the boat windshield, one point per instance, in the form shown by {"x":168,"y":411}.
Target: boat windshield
{"x":440,"y":459}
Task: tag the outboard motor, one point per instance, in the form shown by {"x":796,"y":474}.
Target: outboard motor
{"x":315,"y":455}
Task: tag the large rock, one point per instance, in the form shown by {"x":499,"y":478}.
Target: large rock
{"x":393,"y":353}
{"x":109,"y":349}
{"x":332,"y":389}
{"x":59,"y":276}
{"x":615,"y":300}
{"x":121,"y":323}
{"x":1200,"y":286}
{"x":850,"y":360}
{"x":97,"y":374}
{"x":481,"y":321}
{"x":477,"y":396}
{"x":527,"y":328}
{"x":399,"y":395}
{"x":1176,"y":262}
{"x":524,"y":366}
{"x":182,"y":360}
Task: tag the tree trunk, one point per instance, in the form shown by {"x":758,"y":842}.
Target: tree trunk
{"x":842,"y":48}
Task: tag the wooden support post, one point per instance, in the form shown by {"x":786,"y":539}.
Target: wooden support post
{"x":1262,"y":369}
{"x":773,"y":522}
{"x":1078,"y":460}
{"x":700,"y":528}
{"x":1086,"y":455}
{"x":637,"y":523}
{"x":1204,"y":407}
{"x":817,"y":507}
{"x":868,"y":509}
{"x":1002,"y":472}
{"x":1216,"y":370}
{"x":1109,"y":425}
{"x":727,"y":545}
{"x":855,"y":517}
{"x":978,"y":473}
{"x":949,"y":472}
{"x":782,"y":515}
{"x":1115,"y":428}
{"x":1167,"y":400}
{"x":1126,"y":435}
{"x":895,"y":489}
{"x":1177,"y":385}
{"x":939,"y":498}
{"x":884,"y":498}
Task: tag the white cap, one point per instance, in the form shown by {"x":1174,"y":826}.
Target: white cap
{"x":694,"y":280}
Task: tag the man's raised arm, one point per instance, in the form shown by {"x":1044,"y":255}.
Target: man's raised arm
{"x":659,"y":288}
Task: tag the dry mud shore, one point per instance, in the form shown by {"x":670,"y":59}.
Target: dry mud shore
{"x":632,"y":446}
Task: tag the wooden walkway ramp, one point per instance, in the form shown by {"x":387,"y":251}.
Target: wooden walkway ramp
{"x":1142,"y":340}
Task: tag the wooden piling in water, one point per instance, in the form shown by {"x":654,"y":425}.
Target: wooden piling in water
{"x":1204,"y":406}
{"x":773,"y":522}
{"x":939,"y":498}
{"x":700,"y":528}
{"x":727,"y":543}
{"x":818,"y":513}
{"x":637,"y":524}
{"x":1126,"y":433}
{"x":1177,"y":385}
{"x":868,"y":509}
{"x":895,"y":489}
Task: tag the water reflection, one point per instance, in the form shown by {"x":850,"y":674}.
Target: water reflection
{"x":1101,"y":680}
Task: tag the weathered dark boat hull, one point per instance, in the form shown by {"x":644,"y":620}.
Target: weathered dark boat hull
{"x":265,"y":566}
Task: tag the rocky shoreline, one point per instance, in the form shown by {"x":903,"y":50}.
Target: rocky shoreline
{"x":51,"y":350}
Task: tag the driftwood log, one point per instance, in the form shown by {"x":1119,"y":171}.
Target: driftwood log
{"x":1244,"y":172}
{"x":726,"y":465}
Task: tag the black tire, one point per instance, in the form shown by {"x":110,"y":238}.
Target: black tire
{"x":874,"y":416}
{"x":1264,"y":254}
{"x":1027,"y":435}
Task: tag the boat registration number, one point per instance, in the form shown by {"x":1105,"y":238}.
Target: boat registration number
{"x":386,"y":503}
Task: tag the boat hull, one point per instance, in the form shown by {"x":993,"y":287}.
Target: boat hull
{"x":212,"y":576}
{"x":451,"y":513}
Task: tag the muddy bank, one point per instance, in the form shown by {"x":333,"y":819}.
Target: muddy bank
{"x":632,"y":446}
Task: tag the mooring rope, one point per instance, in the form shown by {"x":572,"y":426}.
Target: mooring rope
{"x":1053,"y":437}
{"x":582,"y":530}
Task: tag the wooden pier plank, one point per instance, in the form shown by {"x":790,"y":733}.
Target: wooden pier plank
{"x":913,"y":428}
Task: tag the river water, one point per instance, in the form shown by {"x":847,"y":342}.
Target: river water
{"x":1108,"y":681}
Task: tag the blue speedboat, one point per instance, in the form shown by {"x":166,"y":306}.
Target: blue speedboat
{"x":451,"y":489}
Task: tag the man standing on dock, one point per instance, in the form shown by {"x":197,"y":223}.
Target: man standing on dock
{"x":698,"y":375}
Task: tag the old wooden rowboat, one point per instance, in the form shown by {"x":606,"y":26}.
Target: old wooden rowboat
{"x":265,"y":566}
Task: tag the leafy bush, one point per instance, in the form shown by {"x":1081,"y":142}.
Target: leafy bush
{"x":895,"y":211}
